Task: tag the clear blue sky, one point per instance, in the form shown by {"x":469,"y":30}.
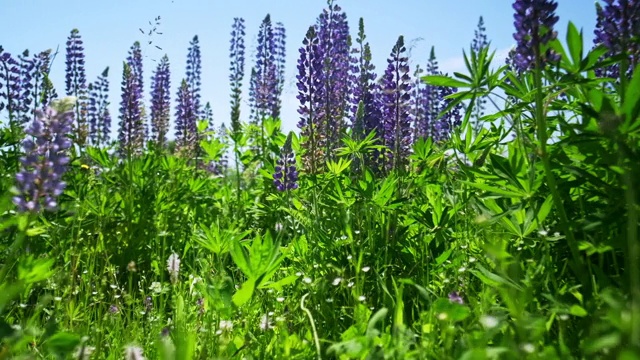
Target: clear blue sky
{"x":108,"y":28}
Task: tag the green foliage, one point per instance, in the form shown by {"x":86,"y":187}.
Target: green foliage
{"x":531,"y":219}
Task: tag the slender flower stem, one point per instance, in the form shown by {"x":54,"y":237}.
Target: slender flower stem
{"x":577,"y":266}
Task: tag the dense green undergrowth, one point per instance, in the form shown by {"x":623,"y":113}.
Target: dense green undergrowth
{"x":493,"y":244}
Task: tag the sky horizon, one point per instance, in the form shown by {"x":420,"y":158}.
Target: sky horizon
{"x":108,"y":30}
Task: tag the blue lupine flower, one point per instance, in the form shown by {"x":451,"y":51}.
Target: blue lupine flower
{"x":534,"y":21}
{"x":285,"y":176}
{"x":160,"y":102}
{"x":39,"y":181}
{"x":396,"y":109}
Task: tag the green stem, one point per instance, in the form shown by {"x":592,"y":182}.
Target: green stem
{"x":541,"y":127}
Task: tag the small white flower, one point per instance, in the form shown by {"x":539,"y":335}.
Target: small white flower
{"x":329,"y":300}
{"x":57,"y":298}
{"x":528,"y":348}
{"x":299,"y":273}
{"x":350,"y":284}
{"x":133,"y":353}
{"x":156,"y":287}
{"x":462,"y":269}
{"x":442,"y":316}
{"x":356,"y":232}
{"x":113,"y":286}
{"x":173,"y":266}
{"x":336,"y":281}
{"x":362,"y":298}
{"x":366,"y":269}
{"x":307,"y":280}
{"x":315,"y":266}
{"x":472,"y":259}
{"x":280,"y":299}
{"x":488,"y":321}
{"x":225,"y":325}
{"x":349,"y":257}
{"x":265,"y":324}
{"x":543,"y":232}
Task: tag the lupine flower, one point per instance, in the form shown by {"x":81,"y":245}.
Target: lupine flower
{"x":617,"y":26}
{"x":160,"y":102}
{"x":40,"y":74}
{"x":207,"y":115}
{"x":76,"y":82}
{"x":113,"y":309}
{"x":310,"y":95}
{"x":456,"y":298}
{"x":173,"y":267}
{"x":194,"y":74}
{"x":186,"y":118}
{"x":479,"y":43}
{"x":534,"y":21}
{"x":133,"y":352}
{"x":27,"y":95}
{"x":48,"y":92}
{"x":236,"y":71}
{"x":433,"y":98}
{"x":285,"y":176}
{"x":98,"y":110}
{"x":333,"y":35}
{"x":419,"y":104}
{"x":279,"y":56}
{"x":480,"y":38}
{"x":39,"y":181}
{"x":10,"y":76}
{"x":363,"y":78}
{"x":396,"y":110}
{"x":131,"y":133}
{"x":264,"y":77}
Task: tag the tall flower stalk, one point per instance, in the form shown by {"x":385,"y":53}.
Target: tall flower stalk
{"x":99,"y":116}
{"x":160,"y":102}
{"x":76,"y":83}
{"x":617,"y":26}
{"x":194,"y":74}
{"x":186,"y":118}
{"x":46,"y":146}
{"x":131,"y":132}
{"x":534,"y":21}
{"x":396,"y":108}
{"x":236,"y":72}
{"x":236,"y":75}
{"x":310,"y":95}
{"x":285,"y":175}
{"x":334,"y":42}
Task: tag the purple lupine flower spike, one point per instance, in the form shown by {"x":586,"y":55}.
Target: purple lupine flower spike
{"x":39,"y":181}
{"x":333,"y":35}
{"x":534,"y":21}
{"x":194,"y":74}
{"x":617,"y":26}
{"x":98,"y":110}
{"x":236,"y":69}
{"x":310,"y":95}
{"x":10,"y":73}
{"x":27,"y":88}
{"x":160,"y":102}
{"x":480,"y":37}
{"x":131,"y":133}
{"x":76,"y":82}
{"x":279,"y":40}
{"x":186,"y":118}
{"x":265,"y":75}
{"x":285,"y":176}
{"x":396,"y":108}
